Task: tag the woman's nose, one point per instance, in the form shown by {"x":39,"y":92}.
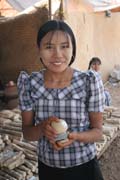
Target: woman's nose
{"x":57,"y":51}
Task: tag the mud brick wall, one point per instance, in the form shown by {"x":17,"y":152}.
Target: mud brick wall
{"x":18,"y":48}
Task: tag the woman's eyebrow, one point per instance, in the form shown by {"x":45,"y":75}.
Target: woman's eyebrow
{"x":65,"y":42}
{"x":50,"y":43}
{"x":47,"y":43}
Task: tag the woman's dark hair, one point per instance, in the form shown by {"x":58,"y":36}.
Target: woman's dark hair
{"x":54,"y":25}
{"x":94,"y":60}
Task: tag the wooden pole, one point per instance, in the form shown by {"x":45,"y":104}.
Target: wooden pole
{"x":61,"y":13}
{"x":50,"y":9}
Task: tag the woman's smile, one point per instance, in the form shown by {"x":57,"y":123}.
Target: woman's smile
{"x":57,"y":63}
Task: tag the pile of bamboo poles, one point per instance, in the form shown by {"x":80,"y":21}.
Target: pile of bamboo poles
{"x":18,"y":158}
{"x":111,"y":128}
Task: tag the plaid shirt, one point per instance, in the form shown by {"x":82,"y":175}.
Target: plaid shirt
{"x":73,"y":104}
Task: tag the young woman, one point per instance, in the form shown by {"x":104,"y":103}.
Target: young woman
{"x":94,"y":65}
{"x":61,"y":92}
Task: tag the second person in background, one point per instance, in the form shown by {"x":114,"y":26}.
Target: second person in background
{"x":95,"y":64}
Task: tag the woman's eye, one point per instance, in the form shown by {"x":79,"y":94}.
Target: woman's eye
{"x":49,"y":47}
{"x":65,"y":46}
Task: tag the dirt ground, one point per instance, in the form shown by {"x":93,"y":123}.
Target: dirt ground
{"x":110,"y":160}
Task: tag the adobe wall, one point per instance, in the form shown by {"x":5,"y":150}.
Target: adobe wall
{"x":18,"y":49}
{"x":107,"y":41}
{"x":83,"y":27}
{"x":97,"y":35}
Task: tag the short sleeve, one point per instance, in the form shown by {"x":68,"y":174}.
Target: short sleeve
{"x":95,"y":88}
{"x":23,"y":85}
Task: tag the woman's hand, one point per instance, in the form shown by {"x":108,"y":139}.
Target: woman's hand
{"x":47,"y":130}
{"x":62,"y":144}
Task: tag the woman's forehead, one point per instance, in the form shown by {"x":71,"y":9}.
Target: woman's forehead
{"x":96,"y":63}
{"x":56,"y":35}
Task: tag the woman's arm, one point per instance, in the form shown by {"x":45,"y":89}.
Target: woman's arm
{"x":91,"y":135}
{"x":30,"y":132}
{"x":95,"y":132}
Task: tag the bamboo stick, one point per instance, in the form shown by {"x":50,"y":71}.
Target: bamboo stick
{"x":14,"y":161}
{"x":28,"y":153}
{"x":3,"y":178}
{"x":30,"y":165}
{"x":14,"y":174}
{"x":24,"y":168}
{"x":11,"y":132}
{"x":25,"y":145}
{"x":8,"y":127}
{"x":6,"y":175}
{"x":23,"y":173}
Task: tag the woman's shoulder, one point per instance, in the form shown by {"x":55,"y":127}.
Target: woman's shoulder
{"x":23,"y":75}
{"x":33,"y":75}
{"x":78,"y":72}
{"x":29,"y":79}
{"x":87,"y":76}
{"x":84,"y":74}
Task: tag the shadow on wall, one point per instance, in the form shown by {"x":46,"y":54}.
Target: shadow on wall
{"x":18,"y":48}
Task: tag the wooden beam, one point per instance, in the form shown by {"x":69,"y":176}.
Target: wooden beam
{"x":50,"y":9}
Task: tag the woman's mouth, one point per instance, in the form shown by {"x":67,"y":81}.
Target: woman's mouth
{"x":57,"y":63}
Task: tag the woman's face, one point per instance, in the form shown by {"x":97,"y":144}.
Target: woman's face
{"x":95,"y":66}
{"x":56,"y":51}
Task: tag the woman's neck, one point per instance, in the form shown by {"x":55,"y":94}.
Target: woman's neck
{"x":58,"y":80}
{"x":58,"y":77}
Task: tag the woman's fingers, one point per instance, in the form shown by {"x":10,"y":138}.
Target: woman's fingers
{"x":48,"y":130}
{"x":57,"y":147}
